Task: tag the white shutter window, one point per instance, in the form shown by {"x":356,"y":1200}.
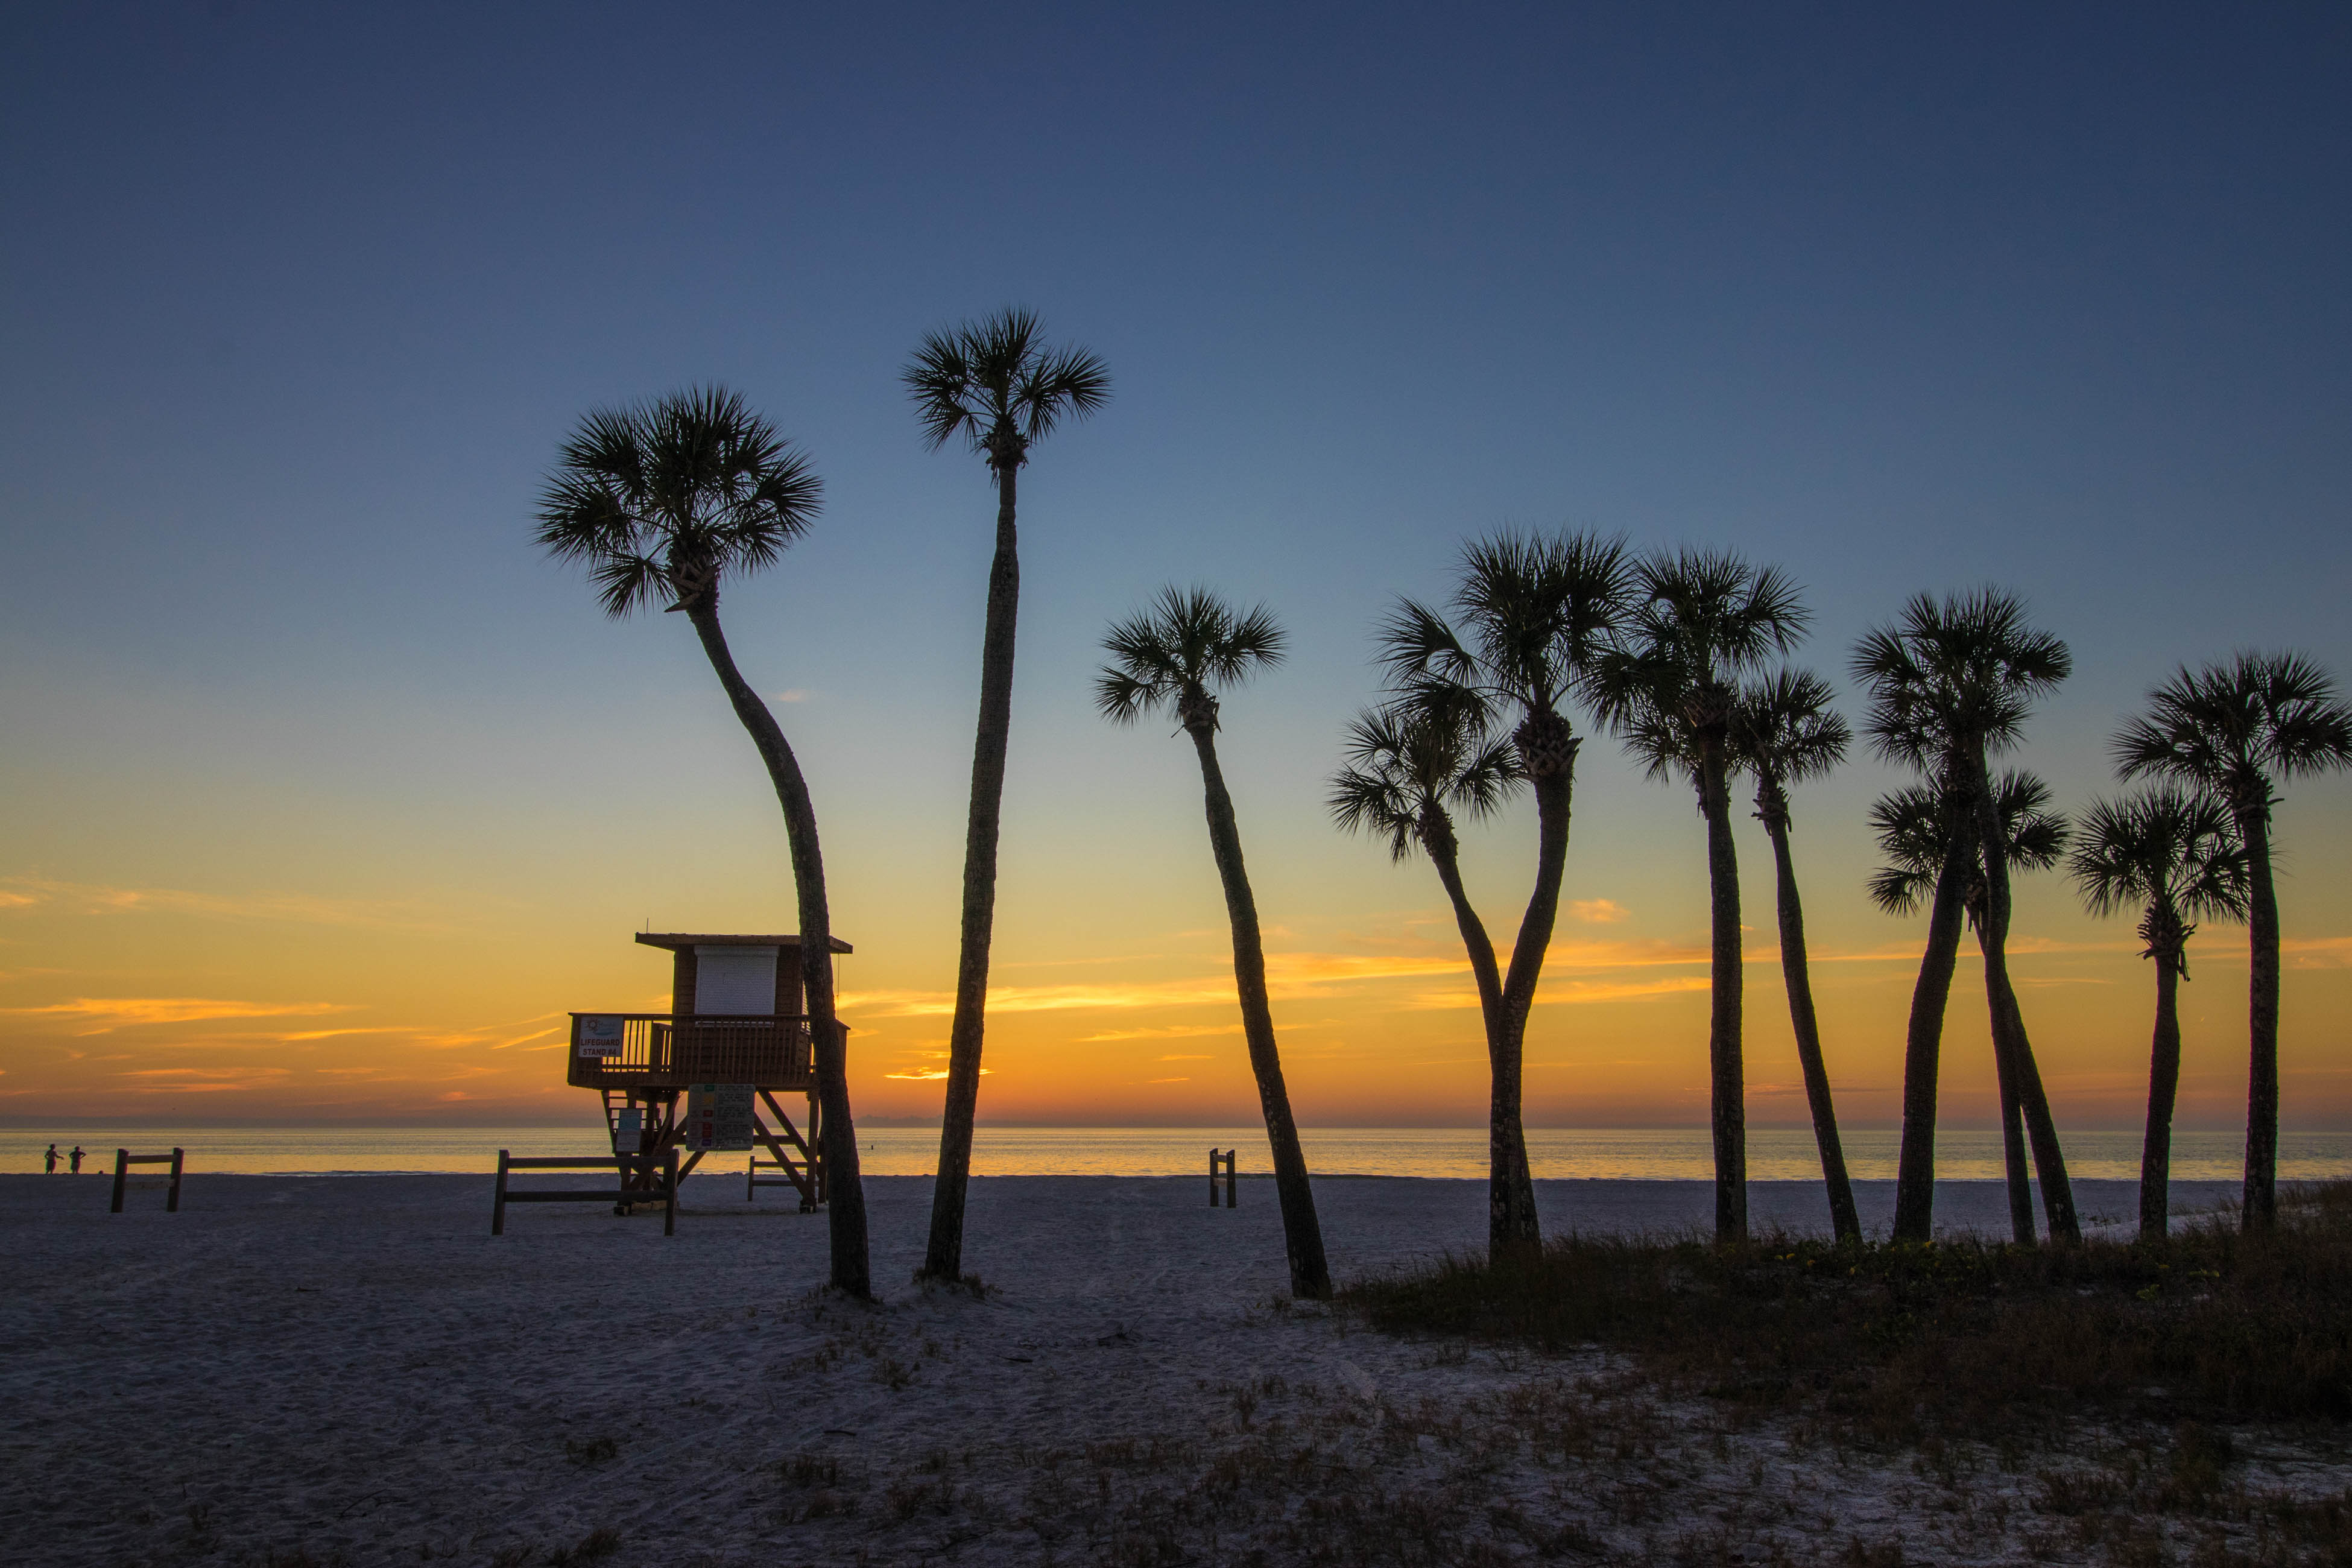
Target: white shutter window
{"x":734,"y":980}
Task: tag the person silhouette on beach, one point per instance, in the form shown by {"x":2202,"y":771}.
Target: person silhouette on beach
{"x":77,"y":1162}
{"x":49,"y":1160}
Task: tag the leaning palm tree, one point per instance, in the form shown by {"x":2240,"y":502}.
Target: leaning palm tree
{"x":1166,"y":659}
{"x":1928,"y":835}
{"x":996,"y":384}
{"x":2240,"y":730}
{"x":1534,"y":614}
{"x":1671,"y":692}
{"x":662,"y":501}
{"x":1783,"y":733}
{"x":2174,"y":855}
{"x":1951,"y":684}
{"x":1411,"y":766}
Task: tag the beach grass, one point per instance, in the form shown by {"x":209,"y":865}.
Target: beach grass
{"x":1897,"y":1345}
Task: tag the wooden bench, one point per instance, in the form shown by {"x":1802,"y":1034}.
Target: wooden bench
{"x":620,"y":1196}
{"x":124,"y":1159}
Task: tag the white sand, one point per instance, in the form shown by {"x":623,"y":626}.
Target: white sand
{"x":354,"y":1366}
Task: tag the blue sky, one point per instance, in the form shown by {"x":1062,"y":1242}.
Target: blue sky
{"x":297,"y":301}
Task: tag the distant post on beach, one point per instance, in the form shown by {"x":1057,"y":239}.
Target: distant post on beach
{"x":1226,"y":1161}
{"x":124,"y":1159}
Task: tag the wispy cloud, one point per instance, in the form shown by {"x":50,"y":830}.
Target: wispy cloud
{"x":1596,"y":911}
{"x":104,"y":1015}
{"x":791,"y":694}
{"x":204,"y":1080}
{"x":1187,"y":1058}
{"x":1168,"y":1081}
{"x":1180,"y":1032}
{"x":930,"y":1075}
{"x":300,"y":908}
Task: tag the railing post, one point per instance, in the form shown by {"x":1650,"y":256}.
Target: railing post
{"x":122,"y":1177}
{"x":669,"y":1212}
{"x":498,"y":1202}
{"x":172,"y":1203}
{"x":1212,"y":1175}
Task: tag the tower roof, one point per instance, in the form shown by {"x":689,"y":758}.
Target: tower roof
{"x":674,"y":940}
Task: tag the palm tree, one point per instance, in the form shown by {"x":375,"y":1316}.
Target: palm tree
{"x":1536,"y":614}
{"x":1783,"y":733}
{"x":2240,"y":730}
{"x":661,"y":502}
{"x":1951,"y":684}
{"x":1928,"y":835}
{"x":1412,"y":763}
{"x":1671,"y":692}
{"x":996,"y":384}
{"x":2170,"y":854}
{"x":1168,"y":659}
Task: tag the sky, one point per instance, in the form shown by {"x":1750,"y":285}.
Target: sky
{"x":324,"y":796}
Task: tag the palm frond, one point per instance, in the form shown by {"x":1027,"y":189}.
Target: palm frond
{"x":1188,"y":642}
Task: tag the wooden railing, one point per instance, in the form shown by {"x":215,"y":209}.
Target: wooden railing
{"x":770,"y":1049}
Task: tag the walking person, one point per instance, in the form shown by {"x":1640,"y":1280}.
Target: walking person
{"x":49,"y":1162}
{"x":76,"y":1170}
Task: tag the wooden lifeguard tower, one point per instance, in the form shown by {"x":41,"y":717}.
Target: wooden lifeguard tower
{"x":735,"y":1031}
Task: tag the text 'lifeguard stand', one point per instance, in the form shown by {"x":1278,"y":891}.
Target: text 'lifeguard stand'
{"x":735,"y":1031}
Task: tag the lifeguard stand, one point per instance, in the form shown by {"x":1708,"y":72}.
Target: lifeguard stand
{"x":736,"y":1019}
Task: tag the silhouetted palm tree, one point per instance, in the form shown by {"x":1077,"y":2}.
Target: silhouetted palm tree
{"x":1934,"y":855}
{"x":2169,"y":853}
{"x":1783,"y":733}
{"x":1706,"y":618}
{"x":1951,"y":683}
{"x":1413,"y":764}
{"x":996,"y":384}
{"x":1168,"y":659}
{"x":2240,"y":730}
{"x":1535,"y":614}
{"x":661,"y":502}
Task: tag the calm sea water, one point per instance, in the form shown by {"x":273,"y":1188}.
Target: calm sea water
{"x":1654,"y":1154}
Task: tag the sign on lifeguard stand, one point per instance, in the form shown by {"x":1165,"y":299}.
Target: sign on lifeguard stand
{"x":718,"y":1117}
{"x":602,"y":1034}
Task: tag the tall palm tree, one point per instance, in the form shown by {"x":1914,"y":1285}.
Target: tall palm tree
{"x":1706,"y":618}
{"x":996,"y":384}
{"x":1534,"y":615}
{"x":1783,"y":733}
{"x":661,"y":502}
{"x":1951,"y":684}
{"x":1168,"y":659}
{"x":2240,"y":729}
{"x":1927,"y":833}
{"x":1411,"y":764}
{"x":2174,"y":855}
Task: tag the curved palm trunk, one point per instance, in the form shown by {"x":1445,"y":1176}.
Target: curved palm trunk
{"x":1549,"y":751}
{"x":2163,"y":1090}
{"x":2008,"y":1021}
{"x":1915,"y":1170}
{"x":1796,"y":976}
{"x":1727,"y":1070}
{"x":845,"y":1193}
{"x":1311,"y":1276}
{"x":1507,"y":1151}
{"x":2259,"y":1209}
{"x":943,"y":1256}
{"x":2012,"y":1128}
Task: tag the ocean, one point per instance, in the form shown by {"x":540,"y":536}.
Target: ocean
{"x":1673,"y":1153}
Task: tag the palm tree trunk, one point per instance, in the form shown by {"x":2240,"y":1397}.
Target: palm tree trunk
{"x":1311,"y":1276}
{"x":2012,"y":1127}
{"x":845,"y":1193}
{"x":1516,"y":1225}
{"x":1796,"y":976}
{"x":1507,"y":1149}
{"x":2259,"y":1209}
{"x":1725,"y":1066}
{"x":2008,"y":1021}
{"x":943,"y":1256}
{"x":1915,"y":1171}
{"x":2163,"y":1089}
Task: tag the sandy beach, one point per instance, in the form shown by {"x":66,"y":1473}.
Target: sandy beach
{"x":352,"y":1368}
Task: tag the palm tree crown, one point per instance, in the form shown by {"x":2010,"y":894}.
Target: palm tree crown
{"x":2170,"y":854}
{"x":1916,"y":826}
{"x":1414,"y":762}
{"x":2239,"y":728}
{"x":662,"y":499}
{"x":994,"y":382}
{"x":1784,"y":730}
{"x":1961,"y":672}
{"x":1168,"y":657}
{"x":1704,"y":618}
